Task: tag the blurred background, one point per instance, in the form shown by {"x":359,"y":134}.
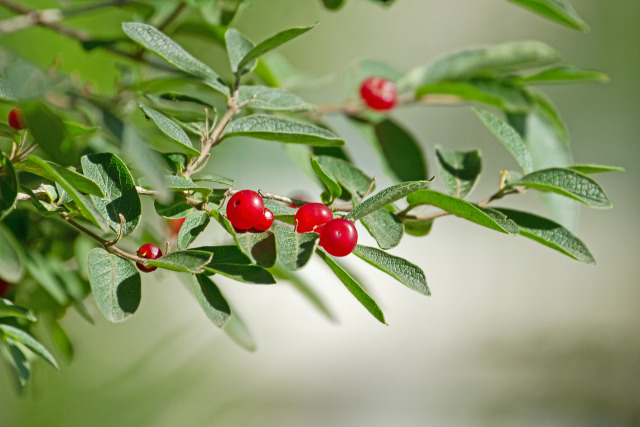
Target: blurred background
{"x":514,"y":334}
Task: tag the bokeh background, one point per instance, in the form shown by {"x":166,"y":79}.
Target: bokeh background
{"x":514,"y":334}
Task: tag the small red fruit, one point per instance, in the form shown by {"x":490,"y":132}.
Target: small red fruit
{"x":378,"y":93}
{"x":339,"y":237}
{"x":266,"y":221}
{"x":311,"y":216}
{"x":175,"y":224}
{"x":148,"y":251}
{"x":4,"y":287}
{"x":245,"y":209}
{"x":16,"y":119}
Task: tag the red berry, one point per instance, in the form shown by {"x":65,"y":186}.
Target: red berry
{"x":175,"y":224}
{"x":266,"y":220}
{"x":378,"y":93}
{"x":312,"y":215}
{"x":245,"y":209}
{"x":4,"y":287}
{"x":16,"y":119}
{"x":148,"y":251}
{"x":339,"y":237}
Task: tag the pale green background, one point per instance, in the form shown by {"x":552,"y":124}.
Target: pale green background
{"x":514,"y":334}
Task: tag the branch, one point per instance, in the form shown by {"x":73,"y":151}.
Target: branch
{"x":354,"y":108}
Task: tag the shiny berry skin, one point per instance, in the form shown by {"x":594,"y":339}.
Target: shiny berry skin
{"x":4,"y":287}
{"x":339,"y":237}
{"x":378,"y":93}
{"x":16,"y":119}
{"x":312,"y":215}
{"x":148,"y":251}
{"x":175,"y":224}
{"x":265,"y":222}
{"x":245,"y":209}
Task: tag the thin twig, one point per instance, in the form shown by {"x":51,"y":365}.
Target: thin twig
{"x":354,"y":108}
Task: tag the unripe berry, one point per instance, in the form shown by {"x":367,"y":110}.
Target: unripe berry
{"x":4,"y":287}
{"x":16,"y":119}
{"x":175,"y":224}
{"x":338,"y":237}
{"x":266,"y":220}
{"x":311,"y":216}
{"x":245,"y":209}
{"x":378,"y":93}
{"x":148,"y":251}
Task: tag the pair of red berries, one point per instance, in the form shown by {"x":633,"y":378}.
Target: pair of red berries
{"x":337,"y":236}
{"x":245,"y":210}
{"x":379,"y":93}
{"x":16,"y":119}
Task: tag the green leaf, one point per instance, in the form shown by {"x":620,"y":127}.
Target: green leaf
{"x":270,"y":44}
{"x":211,"y":300}
{"x":303,"y":288}
{"x":333,"y":4}
{"x":281,"y":212}
{"x":115,"y":283}
{"x":8,"y":185}
{"x":177,"y":183}
{"x":559,"y":11}
{"x":192,"y":227}
{"x":417,"y":227}
{"x":259,"y":247}
{"x":210,"y":177}
{"x":564,"y":75}
{"x":75,"y":130}
{"x":385,"y":227}
{"x":26,"y":81}
{"x":5,"y":92}
{"x":39,"y":268}
{"x":120,"y":194}
{"x":329,"y":181}
{"x":171,"y":129}
{"x":591,"y":169}
{"x":459,"y":170}
{"x":271,"y":99}
{"x":242,"y":273}
{"x":550,"y":234}
{"x":568,"y":183}
{"x":353,"y":287}
{"x":399,"y":268}
{"x":294,"y":249}
{"x":237,"y":330}
{"x":463,"y":209}
{"x":84,"y":206}
{"x":509,"y":137}
{"x":400,"y":151}
{"x":30,"y":342}
{"x":60,"y":339}
{"x":18,"y":360}
{"x":238,"y":46}
{"x":184,"y":261}
{"x":386,"y":196}
{"x":225,"y":255}
{"x":271,"y":128}
{"x":157,"y":42}
{"x":176,"y":209}
{"x":78,"y":181}
{"x":50,"y":133}
{"x":9,"y":309}
{"x":349,"y":177}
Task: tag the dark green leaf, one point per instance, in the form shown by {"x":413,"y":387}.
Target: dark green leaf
{"x":463,"y":209}
{"x":50,"y":133}
{"x":78,"y":181}
{"x":210,"y":177}
{"x":568,"y":183}
{"x":353,"y":287}
{"x":18,"y":360}
{"x":294,"y":249}
{"x":333,"y":4}
{"x":60,"y":339}
{"x":30,"y":342}
{"x":193,"y":226}
{"x":328,"y":180}
{"x":400,"y":151}
{"x":550,"y":234}
{"x":509,"y":137}
{"x":225,"y":255}
{"x":303,"y":288}
{"x":349,"y":177}
{"x":177,"y":183}
{"x":385,"y":227}
{"x":157,"y":42}
{"x":184,"y":261}
{"x":8,"y":185}
{"x":242,"y":273}
{"x":115,"y":283}
{"x":272,"y":128}
{"x":417,"y":227}
{"x":386,"y":196}
{"x":399,"y":268}
{"x":591,"y":169}
{"x":259,"y":247}
{"x":40,"y":270}
{"x":238,"y":46}
{"x":459,"y":170}
{"x":211,"y":299}
{"x":564,"y":75}
{"x":559,"y":11}
{"x":120,"y":194}
{"x":9,"y":309}
{"x":176,"y":209}
{"x":271,"y":99}
{"x":171,"y":129}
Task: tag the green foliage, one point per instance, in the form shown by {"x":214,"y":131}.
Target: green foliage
{"x":459,"y":171}
{"x":556,"y":10}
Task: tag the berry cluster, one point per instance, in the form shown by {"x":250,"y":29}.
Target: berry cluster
{"x":379,"y":93}
{"x":337,"y":236}
{"x":246,"y":210}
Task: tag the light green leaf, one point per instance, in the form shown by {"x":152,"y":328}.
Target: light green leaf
{"x":171,"y":129}
{"x":400,"y":151}
{"x":193,"y":226}
{"x":564,"y":75}
{"x":497,"y":93}
{"x":386,"y":196}
{"x":463,"y":209}
{"x":550,"y":234}
{"x":238,"y":46}
{"x":237,"y":330}
{"x":417,"y":227}
{"x":18,"y":360}
{"x":210,"y":177}
{"x":5,"y":92}
{"x":303,"y":288}
{"x":39,"y":269}
{"x":385,"y":227}
{"x":459,"y":170}
{"x":78,"y":181}
{"x":157,"y":42}
{"x":405,"y":272}
{"x":176,"y":209}
{"x":30,"y":342}
{"x":242,"y":273}
{"x":270,"y":44}
{"x":177,"y":183}
{"x":509,"y":137}
{"x":353,"y":287}
{"x":115,"y":283}
{"x":271,"y":128}
{"x":294,"y":249}
{"x":559,"y":11}
{"x":8,"y":185}
{"x":60,"y":339}
{"x":271,"y":99}
{"x":75,"y":130}
{"x":349,"y":177}
{"x":329,"y":181}
{"x":9,"y":309}
{"x":591,"y":169}
{"x":211,"y":300}
{"x":50,"y":133}
{"x":115,"y":181}
{"x":568,"y":183}
{"x":184,"y":261}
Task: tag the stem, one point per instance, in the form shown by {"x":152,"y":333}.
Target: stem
{"x":354,"y":108}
